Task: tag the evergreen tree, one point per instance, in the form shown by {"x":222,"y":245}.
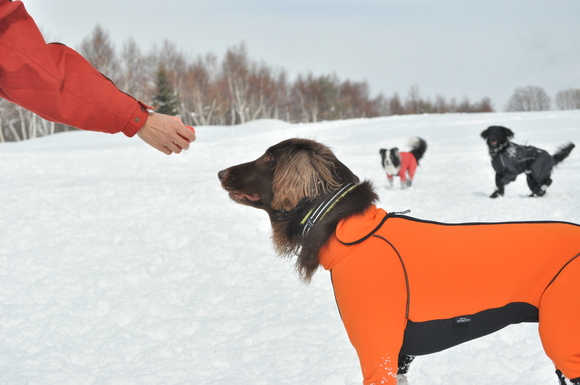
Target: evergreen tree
{"x":165,"y":101}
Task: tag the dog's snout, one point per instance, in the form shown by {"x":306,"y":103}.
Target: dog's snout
{"x":222,"y":174}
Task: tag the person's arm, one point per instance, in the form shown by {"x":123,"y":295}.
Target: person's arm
{"x":58,"y":84}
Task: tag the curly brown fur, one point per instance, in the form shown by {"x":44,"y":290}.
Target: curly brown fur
{"x":290,"y":179}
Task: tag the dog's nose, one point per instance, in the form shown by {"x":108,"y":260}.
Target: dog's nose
{"x":222,"y":174}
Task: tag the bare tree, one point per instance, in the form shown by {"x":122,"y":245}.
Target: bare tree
{"x":300,"y":100}
{"x":261,"y":91}
{"x":413,"y":104}
{"x":236,"y":71}
{"x":201,"y":94}
{"x":4,"y":107}
{"x":283,"y":99}
{"x":356,"y":101}
{"x":381,"y":105}
{"x":440,"y":106}
{"x":310,"y":98}
{"x":568,"y":99}
{"x":134,"y":71}
{"x":396,"y":106}
{"x":100,"y":52}
{"x":484,"y":105}
{"x":530,"y":98}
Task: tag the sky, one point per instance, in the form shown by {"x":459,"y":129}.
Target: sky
{"x":452,"y":48}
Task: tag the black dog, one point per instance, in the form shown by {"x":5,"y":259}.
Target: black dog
{"x":509,"y":160}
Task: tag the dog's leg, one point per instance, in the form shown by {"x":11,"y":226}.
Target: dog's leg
{"x":558,"y":326}
{"x":390,"y":178}
{"x":536,"y":189}
{"x":402,"y":379}
{"x":565,"y":381}
{"x":403,"y":178}
{"x":403,"y":368}
{"x":404,"y":363}
{"x":500,"y":187}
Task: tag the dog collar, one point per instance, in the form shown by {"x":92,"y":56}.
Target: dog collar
{"x":497,"y":149}
{"x":317,"y":213}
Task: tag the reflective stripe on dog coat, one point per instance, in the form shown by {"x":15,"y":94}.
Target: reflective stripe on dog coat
{"x":415,"y":287}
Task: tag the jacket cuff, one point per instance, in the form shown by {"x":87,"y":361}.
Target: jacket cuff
{"x":138,"y":119}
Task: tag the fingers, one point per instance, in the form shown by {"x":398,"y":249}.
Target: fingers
{"x":164,"y":150}
{"x":179,"y":136}
{"x":186,"y":132}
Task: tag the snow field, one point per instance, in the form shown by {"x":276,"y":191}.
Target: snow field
{"x":120,"y":265}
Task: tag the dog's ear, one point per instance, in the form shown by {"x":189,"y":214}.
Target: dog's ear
{"x":508,"y":133}
{"x":382,"y":151}
{"x":485,"y":133}
{"x":300,"y":174}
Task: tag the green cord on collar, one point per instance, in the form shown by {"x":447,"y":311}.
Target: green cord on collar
{"x":333,"y":200}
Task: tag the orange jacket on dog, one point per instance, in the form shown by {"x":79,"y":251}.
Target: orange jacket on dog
{"x":416,"y":287}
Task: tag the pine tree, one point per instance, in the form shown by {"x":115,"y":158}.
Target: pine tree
{"x":165,"y":101}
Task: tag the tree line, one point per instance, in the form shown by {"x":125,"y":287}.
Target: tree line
{"x":236,"y":89}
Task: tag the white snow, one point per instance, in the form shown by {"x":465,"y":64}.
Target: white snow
{"x":120,"y":265}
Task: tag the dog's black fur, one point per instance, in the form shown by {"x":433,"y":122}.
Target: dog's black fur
{"x":510,"y":159}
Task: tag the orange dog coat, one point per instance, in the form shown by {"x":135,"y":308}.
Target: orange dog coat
{"x":407,"y":286}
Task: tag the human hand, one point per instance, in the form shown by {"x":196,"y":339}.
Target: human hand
{"x":166,"y":133}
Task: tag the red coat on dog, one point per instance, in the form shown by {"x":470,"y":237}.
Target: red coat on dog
{"x":407,"y":168}
{"x":461,"y":281}
{"x":403,"y":164}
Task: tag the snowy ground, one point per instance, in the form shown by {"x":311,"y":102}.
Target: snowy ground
{"x":120,"y":266}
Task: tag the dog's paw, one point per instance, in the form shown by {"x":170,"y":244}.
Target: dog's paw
{"x":402,"y":379}
{"x":496,"y":194}
{"x":539,"y":192}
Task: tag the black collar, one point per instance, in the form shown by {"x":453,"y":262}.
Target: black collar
{"x":495,"y":151}
{"x":317,"y":213}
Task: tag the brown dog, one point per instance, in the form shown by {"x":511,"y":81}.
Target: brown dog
{"x":407,"y":287}
{"x":287,"y":181}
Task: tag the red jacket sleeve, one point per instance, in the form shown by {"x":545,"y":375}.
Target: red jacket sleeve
{"x":57,"y":83}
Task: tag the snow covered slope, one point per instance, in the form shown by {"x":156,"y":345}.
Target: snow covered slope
{"x":120,"y":265}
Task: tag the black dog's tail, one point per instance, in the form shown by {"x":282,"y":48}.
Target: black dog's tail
{"x":563,"y":152}
{"x":418,"y":148}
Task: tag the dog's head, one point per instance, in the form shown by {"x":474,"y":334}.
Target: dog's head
{"x":390,"y":160}
{"x":290,"y":180}
{"x":287,"y":174}
{"x":497,"y":137}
